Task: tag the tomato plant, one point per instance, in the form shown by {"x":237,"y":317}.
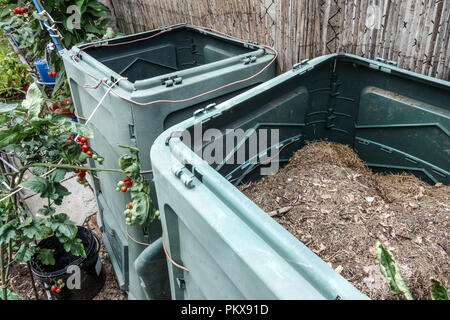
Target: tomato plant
{"x":44,"y":145}
{"x":140,"y":209}
{"x":38,"y":140}
{"x":14,"y":74}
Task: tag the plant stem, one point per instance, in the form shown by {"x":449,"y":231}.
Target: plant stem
{"x":67,"y":166}
{"x":9,"y":259}
{"x":2,"y":273}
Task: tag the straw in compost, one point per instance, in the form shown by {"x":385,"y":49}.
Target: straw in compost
{"x":327,"y":198}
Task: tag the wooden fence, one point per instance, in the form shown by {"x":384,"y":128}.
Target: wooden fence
{"x":413,"y":33}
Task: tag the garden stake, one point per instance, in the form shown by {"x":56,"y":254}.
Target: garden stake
{"x":36,"y":295}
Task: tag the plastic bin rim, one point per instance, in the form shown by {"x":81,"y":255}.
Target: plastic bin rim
{"x":150,"y":82}
{"x":305,"y":67}
{"x":249,"y":44}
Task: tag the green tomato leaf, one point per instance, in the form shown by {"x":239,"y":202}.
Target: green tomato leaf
{"x":141,"y":208}
{"x":75,"y":247}
{"x":62,"y":224}
{"x":25,"y":253}
{"x":46,"y":256}
{"x":46,"y":211}
{"x":33,"y":101}
{"x":38,"y":171}
{"x":8,"y":137}
{"x":57,"y":175}
{"x":61,"y":190}
{"x":36,"y":184}
{"x":78,"y":128}
{"x":7,"y":107}
{"x":8,"y":231}
{"x":129,"y":165}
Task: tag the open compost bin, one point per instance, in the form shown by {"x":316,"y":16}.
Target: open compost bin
{"x":223,"y":245}
{"x":124,"y":80}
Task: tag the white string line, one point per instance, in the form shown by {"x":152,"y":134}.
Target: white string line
{"x":103,"y":98}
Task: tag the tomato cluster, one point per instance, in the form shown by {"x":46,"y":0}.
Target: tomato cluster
{"x":81,"y":175}
{"x":52,"y":73}
{"x":20,"y":10}
{"x":58,"y":286}
{"x":124,"y":185}
{"x":130,"y":219}
{"x":82,"y":141}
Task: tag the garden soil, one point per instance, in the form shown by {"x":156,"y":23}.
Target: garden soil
{"x":328,"y":199}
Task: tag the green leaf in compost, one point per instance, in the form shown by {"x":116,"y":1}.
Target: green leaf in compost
{"x":438,"y":291}
{"x":391,"y":271}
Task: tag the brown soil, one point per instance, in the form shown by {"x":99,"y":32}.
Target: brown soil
{"x":21,"y":283}
{"x":327,"y":198}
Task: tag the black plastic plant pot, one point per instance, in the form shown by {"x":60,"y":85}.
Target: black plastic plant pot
{"x":78,"y":278}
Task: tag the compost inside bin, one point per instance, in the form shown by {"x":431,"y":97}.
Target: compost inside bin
{"x":327,"y":198}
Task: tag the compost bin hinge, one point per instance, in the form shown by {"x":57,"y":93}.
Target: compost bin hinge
{"x":210,"y":107}
{"x":171,"y":81}
{"x":185,"y":177}
{"x":250,"y":44}
{"x":249,"y":59}
{"x":301,"y":64}
{"x":174,"y":134}
{"x":383,"y":67}
{"x":390,"y":62}
{"x":186,"y":174}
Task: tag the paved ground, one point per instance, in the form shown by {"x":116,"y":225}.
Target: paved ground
{"x":78,"y":206}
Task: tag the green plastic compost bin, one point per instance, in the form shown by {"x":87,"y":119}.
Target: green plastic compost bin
{"x":224,"y":245}
{"x":187,"y":67}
